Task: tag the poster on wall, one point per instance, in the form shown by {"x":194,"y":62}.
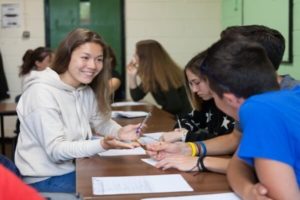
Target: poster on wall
{"x":10,"y":15}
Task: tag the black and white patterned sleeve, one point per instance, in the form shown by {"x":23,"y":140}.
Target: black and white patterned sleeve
{"x":192,"y":121}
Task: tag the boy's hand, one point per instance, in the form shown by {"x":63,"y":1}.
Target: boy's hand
{"x":257,"y":192}
{"x":173,"y":136}
{"x":160,"y":150}
{"x":180,"y":162}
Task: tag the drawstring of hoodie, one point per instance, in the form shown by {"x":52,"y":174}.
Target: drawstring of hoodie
{"x":82,"y":116}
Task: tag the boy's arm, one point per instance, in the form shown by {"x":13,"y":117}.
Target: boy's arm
{"x":220,"y":145}
{"x":242,"y":180}
{"x":279,"y":178}
{"x":224,"y":144}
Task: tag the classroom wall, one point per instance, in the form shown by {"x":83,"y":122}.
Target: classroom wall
{"x":294,"y":69}
{"x":184,"y":28}
{"x":231,"y":15}
{"x":13,"y":46}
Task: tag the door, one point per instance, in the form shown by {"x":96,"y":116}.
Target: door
{"x":103,"y":16}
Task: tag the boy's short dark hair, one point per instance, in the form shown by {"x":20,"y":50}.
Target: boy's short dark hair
{"x":238,"y":66}
{"x":271,"y":40}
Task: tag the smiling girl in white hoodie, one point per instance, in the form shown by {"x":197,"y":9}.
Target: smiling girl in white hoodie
{"x":60,"y":109}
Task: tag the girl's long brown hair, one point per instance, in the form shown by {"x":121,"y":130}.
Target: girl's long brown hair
{"x":194,"y":66}
{"x":156,"y":69}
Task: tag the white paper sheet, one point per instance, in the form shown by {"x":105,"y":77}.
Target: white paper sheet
{"x":220,"y":196}
{"x":139,"y":184}
{"x":148,"y":138}
{"x":128,"y":114}
{"x":149,"y":161}
{"x":127,"y":103}
{"x":123,"y":152}
{"x":154,"y":136}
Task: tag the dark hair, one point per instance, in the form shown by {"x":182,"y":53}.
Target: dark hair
{"x":240,"y":67}
{"x":193,"y":65}
{"x":62,"y":59}
{"x":271,"y":40}
{"x":31,"y":56}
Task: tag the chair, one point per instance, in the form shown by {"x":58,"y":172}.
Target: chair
{"x":9,"y":165}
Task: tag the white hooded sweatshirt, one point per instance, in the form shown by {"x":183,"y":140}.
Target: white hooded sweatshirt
{"x":56,"y":126}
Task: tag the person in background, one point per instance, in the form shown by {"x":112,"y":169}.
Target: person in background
{"x":244,"y":85}
{"x":59,"y":110}
{"x":37,"y":59}
{"x":115,"y":81}
{"x":159,"y":75}
{"x":207,"y":116}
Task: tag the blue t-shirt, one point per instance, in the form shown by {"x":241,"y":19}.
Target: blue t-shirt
{"x":287,"y":83}
{"x":271,"y":128}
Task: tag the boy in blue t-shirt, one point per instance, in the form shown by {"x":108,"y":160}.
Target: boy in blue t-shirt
{"x":244,"y":85}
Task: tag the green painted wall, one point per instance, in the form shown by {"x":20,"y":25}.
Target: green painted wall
{"x":232,"y":15}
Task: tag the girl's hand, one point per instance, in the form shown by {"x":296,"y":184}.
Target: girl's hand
{"x":110,"y":142}
{"x":128,"y":133}
{"x":132,"y":69}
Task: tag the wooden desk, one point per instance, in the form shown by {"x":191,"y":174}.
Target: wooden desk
{"x":6,"y":109}
{"x":97,"y":166}
{"x":159,"y":120}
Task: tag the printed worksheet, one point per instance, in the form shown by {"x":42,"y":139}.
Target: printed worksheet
{"x":139,"y":184}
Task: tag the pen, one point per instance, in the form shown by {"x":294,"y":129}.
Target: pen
{"x":178,"y":121}
{"x":139,"y":129}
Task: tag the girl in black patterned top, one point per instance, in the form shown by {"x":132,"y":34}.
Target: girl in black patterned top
{"x":206,"y":120}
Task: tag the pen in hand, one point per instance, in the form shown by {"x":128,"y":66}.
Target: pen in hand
{"x":139,"y":129}
{"x":179,"y":123}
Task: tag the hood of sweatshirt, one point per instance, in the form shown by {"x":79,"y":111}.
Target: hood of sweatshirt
{"x":48,"y":77}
